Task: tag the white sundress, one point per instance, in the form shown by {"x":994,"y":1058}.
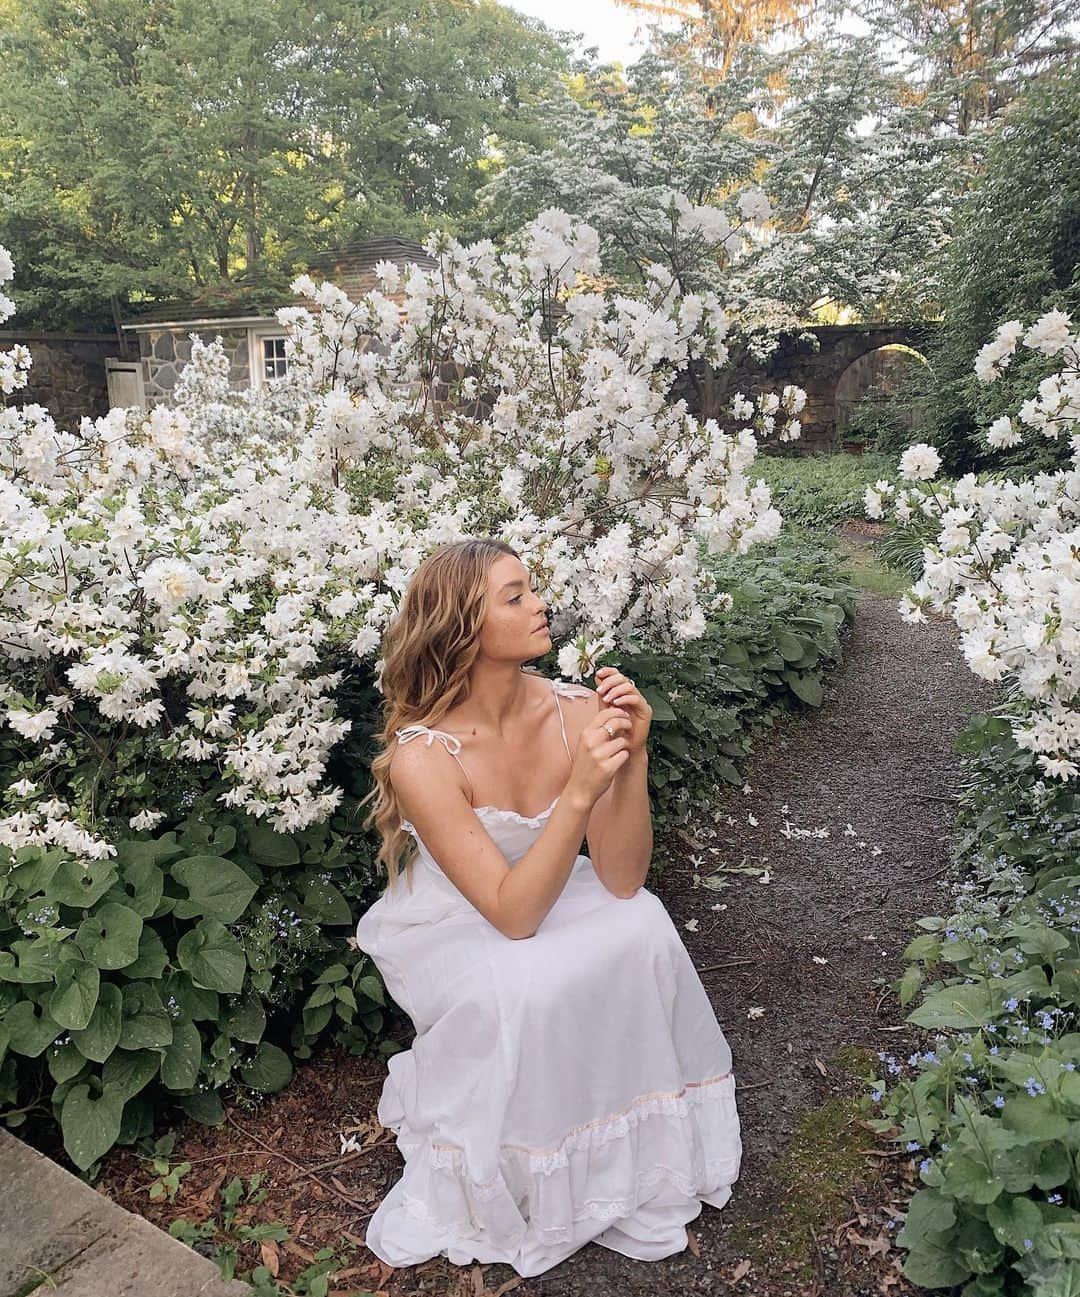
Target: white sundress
{"x":566,"y":1087}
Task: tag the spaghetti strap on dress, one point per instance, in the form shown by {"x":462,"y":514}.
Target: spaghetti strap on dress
{"x":570,"y":1087}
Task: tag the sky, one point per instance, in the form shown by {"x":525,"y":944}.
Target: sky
{"x":602,"y":21}
{"x":619,"y":32}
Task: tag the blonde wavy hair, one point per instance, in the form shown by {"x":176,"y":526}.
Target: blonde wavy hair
{"x":428,"y":650}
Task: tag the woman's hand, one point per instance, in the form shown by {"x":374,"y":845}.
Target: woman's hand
{"x":600,"y":753}
{"x":618,"y":690}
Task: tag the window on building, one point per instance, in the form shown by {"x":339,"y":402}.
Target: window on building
{"x":275,"y":363}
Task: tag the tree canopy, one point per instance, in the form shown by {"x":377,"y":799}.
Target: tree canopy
{"x":164,"y":147}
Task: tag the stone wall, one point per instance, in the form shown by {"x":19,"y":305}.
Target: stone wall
{"x":67,"y":376}
{"x":818,"y":370}
{"x":166,"y":351}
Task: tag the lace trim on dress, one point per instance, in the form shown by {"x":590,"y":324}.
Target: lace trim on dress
{"x":708,"y":1171}
{"x":604,"y":1209}
{"x":532,"y":820}
{"x":674,"y":1103}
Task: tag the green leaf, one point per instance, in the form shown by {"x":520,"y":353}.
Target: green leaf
{"x":246,"y":1021}
{"x":910,"y":983}
{"x":734,"y":655}
{"x":148,"y":851}
{"x":79,"y":886}
{"x":109,"y":937}
{"x":36,"y":962}
{"x":205,"y":1107}
{"x":324,"y":903}
{"x":129,"y":1071}
{"x":964,"y":1005}
{"x":969,"y":1180}
{"x":1013,"y":1220}
{"x":138,"y":1119}
{"x":662,"y":709}
{"x":199,"y":837}
{"x":790,"y":648}
{"x":180,"y":1064}
{"x":1061,"y":1239}
{"x":315,"y":1020}
{"x":72,"y":1002}
{"x":213,"y":957}
{"x":320,"y":996}
{"x":153,"y":957}
{"x":141,"y":885}
{"x":270,"y":1069}
{"x":806,"y":687}
{"x":372,"y":988}
{"x":194,"y":1002}
{"x":34,"y":872}
{"x":31,"y":1029}
{"x":65,"y":1063}
{"x":674,"y":741}
{"x":266,"y":847}
{"x":102,"y":1033}
{"x":929,"y":1234}
{"x":216,"y":887}
{"x":145,"y":1023}
{"x":90,"y":1126}
{"x":1034,"y":1115}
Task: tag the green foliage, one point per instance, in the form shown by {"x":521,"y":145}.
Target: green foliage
{"x":229,"y":1243}
{"x":309,"y":125}
{"x":1015,"y":255}
{"x":902,"y":546}
{"x":171,"y":970}
{"x":823,"y":489}
{"x":885,"y":422}
{"x":994,"y":1106}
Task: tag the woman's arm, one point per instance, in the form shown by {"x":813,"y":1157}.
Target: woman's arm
{"x":620,"y":831}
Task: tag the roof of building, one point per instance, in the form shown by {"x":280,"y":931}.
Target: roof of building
{"x":351,"y":266}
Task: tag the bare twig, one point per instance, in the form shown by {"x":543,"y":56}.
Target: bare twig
{"x":711,"y":968}
{"x":346,"y":1198}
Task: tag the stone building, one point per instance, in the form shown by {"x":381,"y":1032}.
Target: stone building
{"x":68,"y":373}
{"x":251,"y":335}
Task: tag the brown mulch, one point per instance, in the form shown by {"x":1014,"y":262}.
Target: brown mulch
{"x":877,"y":757}
{"x":863,"y":527}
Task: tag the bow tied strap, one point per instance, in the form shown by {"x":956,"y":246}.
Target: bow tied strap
{"x":450,"y":741}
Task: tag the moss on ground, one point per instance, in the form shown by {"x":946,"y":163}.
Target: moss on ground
{"x":808,"y":1189}
{"x":868,"y":572}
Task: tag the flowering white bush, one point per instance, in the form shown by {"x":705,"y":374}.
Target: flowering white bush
{"x":194,"y":579}
{"x":1006,"y":562}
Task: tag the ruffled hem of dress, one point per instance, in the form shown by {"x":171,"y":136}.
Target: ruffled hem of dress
{"x":542,"y":1201}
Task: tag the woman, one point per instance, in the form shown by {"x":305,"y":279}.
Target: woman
{"x":568,"y":1081}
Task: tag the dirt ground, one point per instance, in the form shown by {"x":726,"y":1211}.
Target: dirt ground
{"x":848,"y":808}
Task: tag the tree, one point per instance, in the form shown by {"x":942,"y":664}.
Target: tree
{"x":976,"y":58}
{"x":161,"y":147}
{"x":851,"y":213}
{"x":1016,"y":253}
{"x":715,"y":30}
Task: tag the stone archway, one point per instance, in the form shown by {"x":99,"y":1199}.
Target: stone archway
{"x":816,"y":359}
{"x":875,"y":378}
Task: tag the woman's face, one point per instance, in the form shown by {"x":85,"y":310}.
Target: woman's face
{"x":516,"y":622}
